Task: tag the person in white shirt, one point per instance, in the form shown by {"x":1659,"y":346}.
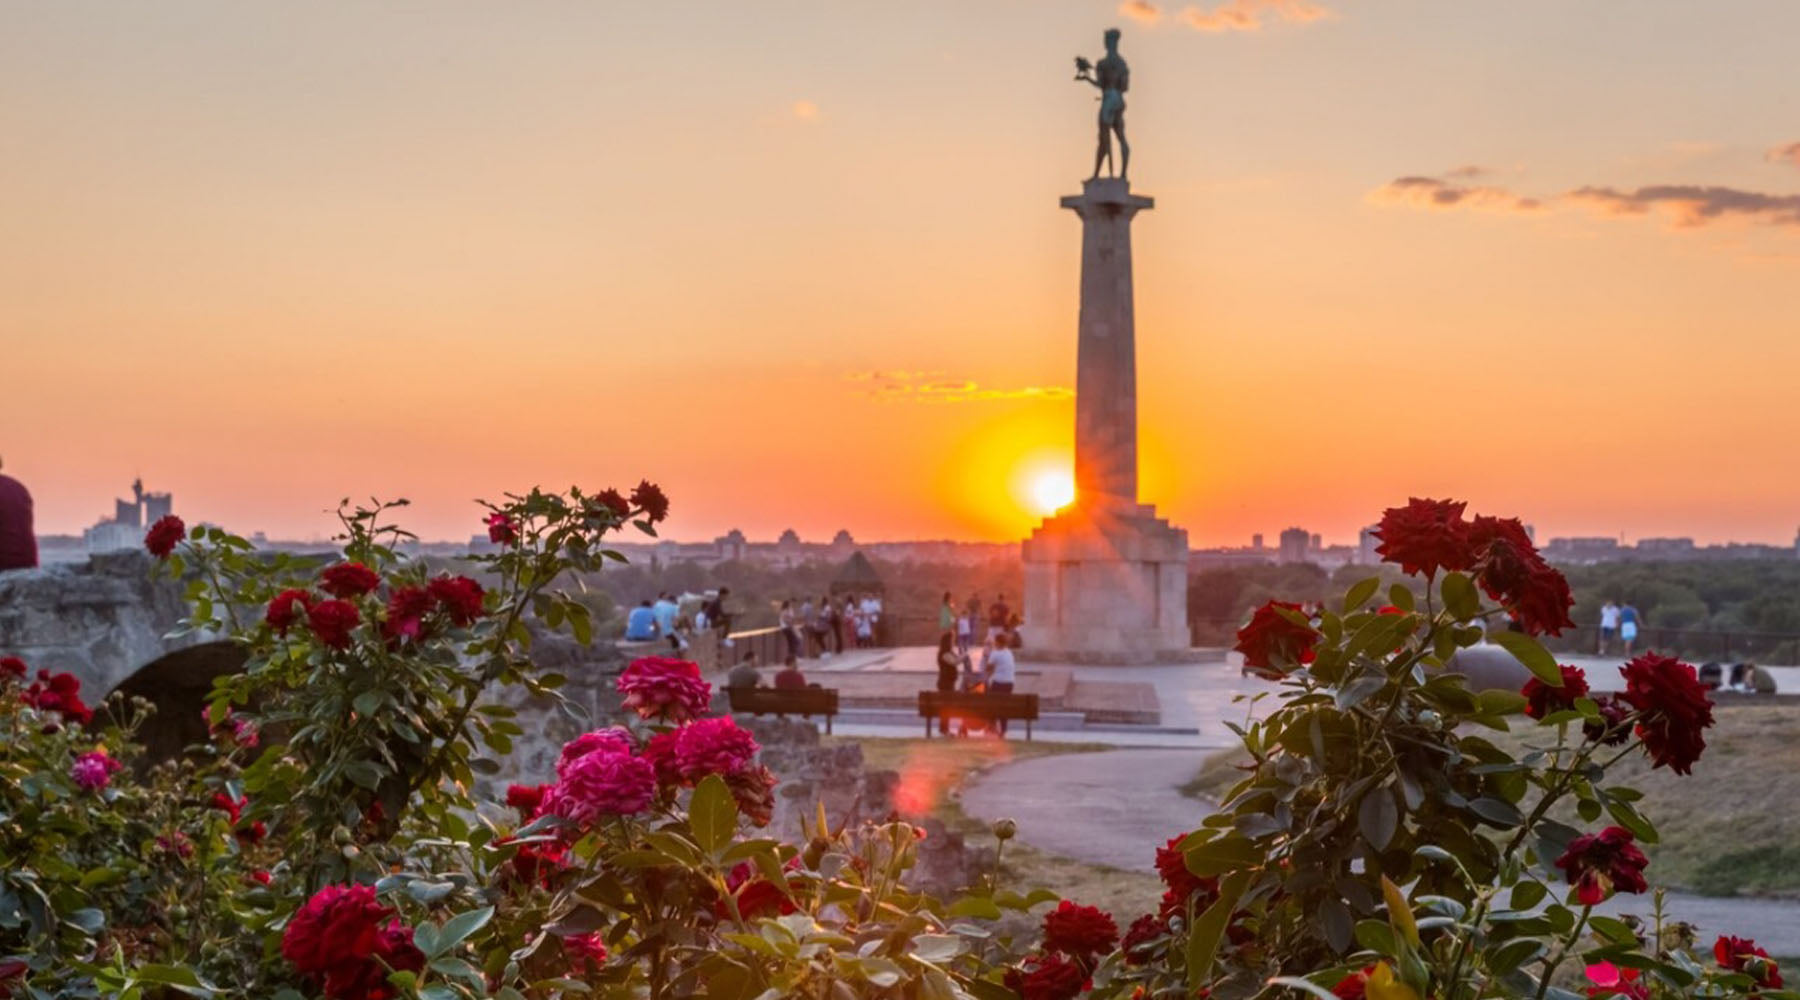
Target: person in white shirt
{"x":1001,"y":672}
{"x":1609,"y":625}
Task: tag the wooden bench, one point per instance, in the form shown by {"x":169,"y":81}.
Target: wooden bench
{"x":935,"y":705}
{"x":808,"y":701}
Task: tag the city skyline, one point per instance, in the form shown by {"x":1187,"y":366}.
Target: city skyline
{"x":793,"y":264}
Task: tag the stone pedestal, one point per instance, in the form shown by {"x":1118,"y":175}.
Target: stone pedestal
{"x":1106,"y":579}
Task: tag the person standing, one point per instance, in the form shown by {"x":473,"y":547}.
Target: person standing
{"x":1629,"y":620}
{"x":1001,"y":673}
{"x":999,"y":617}
{"x":1609,"y":625}
{"x":789,"y":632}
{"x":665,"y":609}
{"x":949,"y":671}
{"x":18,"y":536}
{"x":946,"y":616}
{"x":716,"y":615}
{"x":965,"y":631}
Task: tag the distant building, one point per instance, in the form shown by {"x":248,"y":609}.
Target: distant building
{"x":1256,"y":541}
{"x":1367,"y":541}
{"x":1665,"y":548}
{"x":1582,"y":550}
{"x":1296,"y":545}
{"x":125,"y":529}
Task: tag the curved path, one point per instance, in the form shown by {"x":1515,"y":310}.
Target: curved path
{"x":1117,"y":807}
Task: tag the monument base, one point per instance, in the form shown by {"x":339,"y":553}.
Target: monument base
{"x":1106,"y":583}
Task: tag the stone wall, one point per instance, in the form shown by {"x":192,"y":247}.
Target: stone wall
{"x":101,"y":620}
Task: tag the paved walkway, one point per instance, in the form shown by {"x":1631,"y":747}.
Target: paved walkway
{"x":1117,"y":807}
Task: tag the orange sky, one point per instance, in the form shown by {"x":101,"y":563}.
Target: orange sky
{"x":269,"y":255}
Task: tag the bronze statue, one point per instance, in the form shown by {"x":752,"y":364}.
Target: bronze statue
{"x":1113,"y":78}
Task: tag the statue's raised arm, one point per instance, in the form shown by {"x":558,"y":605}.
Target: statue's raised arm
{"x":1113,"y":78}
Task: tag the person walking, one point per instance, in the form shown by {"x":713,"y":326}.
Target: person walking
{"x":1609,"y":625}
{"x":789,"y":631}
{"x":18,"y":537}
{"x":949,"y":672}
{"x":1001,"y":674}
{"x":1629,"y":621}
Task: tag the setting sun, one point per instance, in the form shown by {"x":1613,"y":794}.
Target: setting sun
{"x":1052,"y":490}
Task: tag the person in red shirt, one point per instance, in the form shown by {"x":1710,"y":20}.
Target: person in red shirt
{"x":790,"y":677}
{"x":18,"y":541}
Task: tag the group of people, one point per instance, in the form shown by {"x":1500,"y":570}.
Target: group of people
{"x":1619,"y":623}
{"x":831,"y":625}
{"x":971,"y":623}
{"x":957,"y":670}
{"x":674,"y":618}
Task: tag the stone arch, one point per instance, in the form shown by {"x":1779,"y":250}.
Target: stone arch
{"x":177,"y":684}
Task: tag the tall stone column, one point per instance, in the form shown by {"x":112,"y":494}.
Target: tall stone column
{"x":1106,"y":579}
{"x":1106,"y":356}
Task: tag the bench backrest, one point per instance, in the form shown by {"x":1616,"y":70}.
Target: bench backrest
{"x":791,"y":701}
{"x":1009,"y":706}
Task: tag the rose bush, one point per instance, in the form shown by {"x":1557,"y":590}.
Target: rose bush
{"x":328,"y":840}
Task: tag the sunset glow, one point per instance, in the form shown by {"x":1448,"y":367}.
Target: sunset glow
{"x":1052,"y":490}
{"x":810,"y":272}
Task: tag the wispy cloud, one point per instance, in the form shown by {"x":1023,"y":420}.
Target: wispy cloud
{"x":1251,"y":15}
{"x":1141,"y":11}
{"x":1688,"y":206}
{"x":1692,"y":205}
{"x":1439,"y":192}
{"x":1788,"y":154}
{"x":937,"y":387}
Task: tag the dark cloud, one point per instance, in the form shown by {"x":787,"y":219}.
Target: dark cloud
{"x":1692,"y":204}
{"x":1436,"y":192}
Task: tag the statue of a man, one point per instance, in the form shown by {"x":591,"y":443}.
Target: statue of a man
{"x":1113,"y":78}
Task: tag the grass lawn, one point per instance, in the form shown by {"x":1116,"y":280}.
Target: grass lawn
{"x":932,"y":772}
{"x":1731,"y":828}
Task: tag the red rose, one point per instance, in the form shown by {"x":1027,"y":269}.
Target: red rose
{"x":1425,"y":536}
{"x":229,"y":806}
{"x":1272,"y":642}
{"x":459,"y":597}
{"x":1136,"y":945}
{"x":261,"y":877}
{"x":348,"y":580}
{"x":339,"y":924}
{"x":527,"y":799}
{"x":615,"y":502}
{"x":1610,"y":728}
{"x":1742,"y":955}
{"x":252,"y":834}
{"x":1599,"y":864}
{"x":406,"y":611}
{"x":1171,"y":864}
{"x":648,"y":497}
{"x":753,"y":788}
{"x":1509,"y":569}
{"x":1675,"y":709}
{"x":1047,"y":977}
{"x":12,"y":973}
{"x":331,"y":622}
{"x":659,"y":750}
{"x":162,"y":537}
{"x":1079,"y":931}
{"x":14,"y":666}
{"x":1354,"y":985}
{"x":285,"y":609}
{"x":367,"y":980}
{"x":60,"y":693}
{"x":537,"y":864}
{"x":1611,"y":981}
{"x":501,"y":529}
{"x":1541,"y":699}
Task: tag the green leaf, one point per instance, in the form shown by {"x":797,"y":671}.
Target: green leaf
{"x":1527,"y":895}
{"x":1460,"y":597}
{"x":1360,"y":593}
{"x":1536,"y":658}
{"x":1500,"y":702}
{"x":459,"y":927}
{"x":367,"y":702}
{"x":1358,"y":691}
{"x":1378,"y":818}
{"x":1209,"y":929}
{"x":1496,"y":811}
{"x":1378,"y":937}
{"x":975,"y":906}
{"x":1225,"y":854}
{"x":1401,"y":596}
{"x":712,"y":814}
{"x":936,"y":947}
{"x":1513,"y":954}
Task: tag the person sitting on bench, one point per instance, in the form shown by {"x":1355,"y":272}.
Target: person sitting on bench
{"x":790,"y":678}
{"x":1001,"y":672}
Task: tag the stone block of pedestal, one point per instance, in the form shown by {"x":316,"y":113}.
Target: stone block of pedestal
{"x":1106,"y":586}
